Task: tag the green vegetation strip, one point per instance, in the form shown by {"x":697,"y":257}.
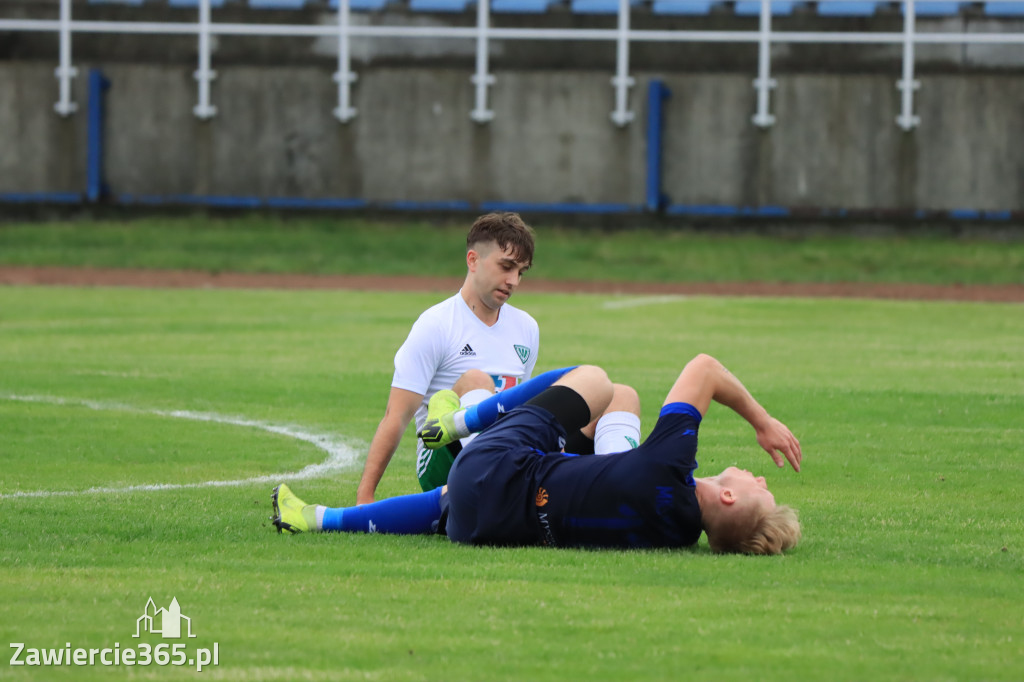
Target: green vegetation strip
{"x":355,"y":246}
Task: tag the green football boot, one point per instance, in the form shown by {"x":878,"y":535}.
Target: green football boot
{"x":439,"y":429}
{"x":291,"y":515}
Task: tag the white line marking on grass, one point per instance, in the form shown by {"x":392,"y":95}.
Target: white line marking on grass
{"x":340,"y":455}
{"x":134,"y":374}
{"x":642,"y":301}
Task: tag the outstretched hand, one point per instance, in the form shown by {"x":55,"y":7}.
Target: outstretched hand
{"x":779,"y":442}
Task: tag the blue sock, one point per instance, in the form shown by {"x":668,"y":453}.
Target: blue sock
{"x":405,"y":515}
{"x":486,"y":412}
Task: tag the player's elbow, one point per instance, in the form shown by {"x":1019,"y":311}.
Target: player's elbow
{"x":705,"y":363}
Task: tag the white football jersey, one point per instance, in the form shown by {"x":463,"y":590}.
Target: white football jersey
{"x":448,"y":339}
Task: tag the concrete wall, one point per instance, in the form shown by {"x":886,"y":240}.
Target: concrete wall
{"x":39,"y":150}
{"x":835,"y":143}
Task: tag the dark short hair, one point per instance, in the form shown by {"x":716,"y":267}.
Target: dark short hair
{"x":506,"y":230}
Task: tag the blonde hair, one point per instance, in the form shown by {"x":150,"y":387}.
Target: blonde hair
{"x":772,"y":532}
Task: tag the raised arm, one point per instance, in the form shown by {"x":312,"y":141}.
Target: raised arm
{"x":401,"y":407}
{"x":705,"y":379}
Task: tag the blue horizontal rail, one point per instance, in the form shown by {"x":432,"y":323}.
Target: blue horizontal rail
{"x":709,"y":211}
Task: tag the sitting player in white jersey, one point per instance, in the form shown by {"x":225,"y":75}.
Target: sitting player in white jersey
{"x":474,"y":343}
{"x":473,"y":330}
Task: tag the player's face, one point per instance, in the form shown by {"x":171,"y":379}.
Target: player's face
{"x":745,"y":484}
{"x":495,"y":274}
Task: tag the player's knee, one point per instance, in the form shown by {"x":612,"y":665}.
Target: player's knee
{"x":593,"y":384}
{"x":592,"y":374}
{"x":473,"y":380}
{"x":624,"y":399}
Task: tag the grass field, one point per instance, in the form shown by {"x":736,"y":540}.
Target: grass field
{"x":356,"y":246}
{"x":142,"y":431}
{"x":119,"y":408}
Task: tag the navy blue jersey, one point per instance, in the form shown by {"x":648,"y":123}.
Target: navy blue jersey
{"x":645,"y":497}
{"x":510,"y":486}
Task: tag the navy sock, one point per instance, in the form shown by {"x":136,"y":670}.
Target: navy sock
{"x":405,"y":515}
{"x":486,"y":412}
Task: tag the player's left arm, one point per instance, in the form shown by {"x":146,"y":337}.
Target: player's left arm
{"x":705,"y":379}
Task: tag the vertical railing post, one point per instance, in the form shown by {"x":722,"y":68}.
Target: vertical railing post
{"x":764,"y":82}
{"x":907,"y":120}
{"x":657,"y":93}
{"x":204,"y":74}
{"x":622,"y":81}
{"x":344,"y":76}
{"x":65,"y":71}
{"x":95,"y":184}
{"x":482,"y":79}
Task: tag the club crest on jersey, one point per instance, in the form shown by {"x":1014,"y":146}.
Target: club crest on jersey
{"x":523,"y":352}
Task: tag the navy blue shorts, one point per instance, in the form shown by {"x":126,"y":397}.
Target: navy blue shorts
{"x":491,"y":487}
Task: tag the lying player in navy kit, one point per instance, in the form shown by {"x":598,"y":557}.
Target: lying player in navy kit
{"x":513,"y":485}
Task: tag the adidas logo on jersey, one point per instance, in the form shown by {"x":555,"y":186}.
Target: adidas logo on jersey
{"x":467,"y":350}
